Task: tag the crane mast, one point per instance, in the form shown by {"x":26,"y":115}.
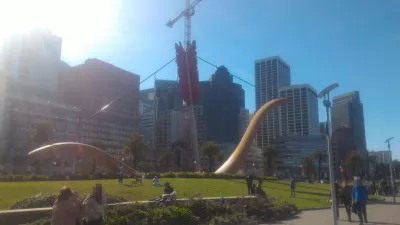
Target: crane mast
{"x":188,"y":12}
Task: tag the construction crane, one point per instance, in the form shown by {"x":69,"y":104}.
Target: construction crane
{"x":187,"y":13}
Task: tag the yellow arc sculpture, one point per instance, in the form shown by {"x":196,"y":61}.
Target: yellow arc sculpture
{"x":233,"y":164}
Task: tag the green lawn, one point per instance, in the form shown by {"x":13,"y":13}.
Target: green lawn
{"x":307,"y":196}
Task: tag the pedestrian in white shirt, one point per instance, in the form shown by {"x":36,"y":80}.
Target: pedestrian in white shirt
{"x":95,"y":204}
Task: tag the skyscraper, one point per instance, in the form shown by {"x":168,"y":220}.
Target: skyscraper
{"x":300,"y":115}
{"x":93,"y":85}
{"x":270,"y":74}
{"x":221,"y":103}
{"x":347,"y":111}
{"x":33,"y":57}
{"x":170,"y":115}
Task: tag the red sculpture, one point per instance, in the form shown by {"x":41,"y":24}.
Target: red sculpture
{"x":187,"y":63}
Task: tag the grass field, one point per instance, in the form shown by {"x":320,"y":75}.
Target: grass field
{"x":307,"y":196}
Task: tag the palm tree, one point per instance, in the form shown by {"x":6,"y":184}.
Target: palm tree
{"x":134,"y":147}
{"x":268,"y":154}
{"x":319,"y":155}
{"x":355,"y":161}
{"x":213,"y":152}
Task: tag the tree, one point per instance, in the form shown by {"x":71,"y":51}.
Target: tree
{"x":319,"y":155}
{"x":355,"y":161}
{"x":268,"y":154}
{"x":213,"y":152}
{"x":134,"y":147}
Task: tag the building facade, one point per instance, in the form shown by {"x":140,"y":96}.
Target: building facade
{"x":270,"y":75}
{"x":292,"y":150}
{"x":244,"y":121}
{"x":222,"y":107}
{"x":347,"y":111}
{"x":381,"y":156}
{"x":92,"y":86}
{"x":169,"y":114}
{"x":33,"y":57}
{"x":25,"y":109}
{"x":300,"y":115}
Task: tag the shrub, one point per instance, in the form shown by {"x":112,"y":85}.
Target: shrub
{"x":46,"y":221}
{"x":228,"y":220}
{"x":198,"y":211}
{"x":43,"y":200}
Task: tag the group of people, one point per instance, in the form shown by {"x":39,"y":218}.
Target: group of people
{"x":254,"y":189}
{"x":354,"y":199}
{"x":383,"y":188}
{"x":69,"y":210}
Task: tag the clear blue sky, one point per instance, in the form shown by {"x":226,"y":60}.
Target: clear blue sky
{"x":355,"y":43}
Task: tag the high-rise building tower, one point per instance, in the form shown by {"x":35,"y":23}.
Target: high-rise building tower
{"x":300,"y":115}
{"x":347,"y":111}
{"x":91,"y":86}
{"x":221,"y":103}
{"x":33,"y":57}
{"x":270,"y":74}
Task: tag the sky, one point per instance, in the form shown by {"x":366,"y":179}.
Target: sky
{"x":354,"y":43}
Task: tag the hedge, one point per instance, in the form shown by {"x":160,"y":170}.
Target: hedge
{"x":198,"y":175}
{"x":197,"y":212}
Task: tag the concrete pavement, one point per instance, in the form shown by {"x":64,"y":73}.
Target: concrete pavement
{"x":378,"y":214}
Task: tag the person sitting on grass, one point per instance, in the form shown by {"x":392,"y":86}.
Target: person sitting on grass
{"x":66,"y":208}
{"x":259,"y":191}
{"x":169,"y":192}
{"x":95,"y":204}
{"x":155,"y":181}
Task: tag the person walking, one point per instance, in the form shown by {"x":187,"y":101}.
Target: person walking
{"x":360,"y":198}
{"x":249,"y":181}
{"x":121,"y":174}
{"x":346,"y":198}
{"x":293,"y":188}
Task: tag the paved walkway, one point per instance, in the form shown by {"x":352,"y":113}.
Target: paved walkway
{"x":378,"y":214}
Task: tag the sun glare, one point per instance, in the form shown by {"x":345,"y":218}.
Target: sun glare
{"x":79,"y":22}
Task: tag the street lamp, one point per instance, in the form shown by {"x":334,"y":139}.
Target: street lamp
{"x":390,"y":168}
{"x":327,"y":103}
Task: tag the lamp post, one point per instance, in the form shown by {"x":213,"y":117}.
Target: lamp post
{"x":390,"y":168}
{"x":327,"y":103}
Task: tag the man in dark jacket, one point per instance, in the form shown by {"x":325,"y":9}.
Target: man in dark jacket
{"x":249,"y":181}
{"x":346,"y":198}
{"x":360,"y":198}
{"x":293,"y":188}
